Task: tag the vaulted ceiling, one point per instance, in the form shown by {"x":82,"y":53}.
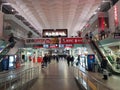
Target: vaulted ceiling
{"x":56,"y":14}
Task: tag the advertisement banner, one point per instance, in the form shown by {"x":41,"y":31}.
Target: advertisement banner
{"x":71,"y":41}
{"x":54,"y":41}
{"x":42,"y":41}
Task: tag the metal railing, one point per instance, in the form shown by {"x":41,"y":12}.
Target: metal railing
{"x":17,"y":80}
{"x":87,"y":81}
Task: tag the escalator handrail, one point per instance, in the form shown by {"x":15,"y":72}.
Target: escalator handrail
{"x":98,"y":43}
{"x":7,"y":47}
{"x":89,"y":77}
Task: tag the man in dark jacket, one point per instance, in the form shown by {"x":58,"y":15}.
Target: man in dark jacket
{"x":72,"y":60}
{"x":104,"y":63}
{"x":45,"y":60}
{"x":68,"y":60}
{"x":104,"y":68}
{"x":12,"y":40}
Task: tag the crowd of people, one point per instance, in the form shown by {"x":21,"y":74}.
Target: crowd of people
{"x":102,"y":35}
{"x":71,"y":61}
{"x":47,"y":59}
{"x":89,"y":35}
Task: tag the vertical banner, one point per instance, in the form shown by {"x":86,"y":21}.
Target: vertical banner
{"x":1,"y":24}
{"x":116,"y":22}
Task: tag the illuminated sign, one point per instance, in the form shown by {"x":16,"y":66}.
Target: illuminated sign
{"x":48,"y":33}
{"x":71,"y":41}
{"x":46,"y":46}
{"x":116,"y":15}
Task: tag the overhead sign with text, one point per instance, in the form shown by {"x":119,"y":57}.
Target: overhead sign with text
{"x":71,"y":41}
{"x":42,"y":41}
{"x":51,"y":33}
{"x":54,"y":41}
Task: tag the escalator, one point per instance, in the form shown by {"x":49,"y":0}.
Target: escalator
{"x":8,"y":50}
{"x":96,"y":45}
{"x":5,"y":49}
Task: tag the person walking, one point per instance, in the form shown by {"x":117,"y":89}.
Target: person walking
{"x":68,"y":60}
{"x":45,"y":60}
{"x":104,"y":68}
{"x":72,"y":60}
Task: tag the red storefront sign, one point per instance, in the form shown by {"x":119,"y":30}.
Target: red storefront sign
{"x":71,"y":41}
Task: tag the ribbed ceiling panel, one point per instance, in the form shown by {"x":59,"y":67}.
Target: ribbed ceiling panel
{"x":56,"y":14}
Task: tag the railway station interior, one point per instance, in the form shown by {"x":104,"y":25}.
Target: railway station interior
{"x":59,"y":44}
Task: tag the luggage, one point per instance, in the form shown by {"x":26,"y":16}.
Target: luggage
{"x":42,"y":65}
{"x":77,"y":63}
{"x":109,"y":74}
{"x":105,"y":72}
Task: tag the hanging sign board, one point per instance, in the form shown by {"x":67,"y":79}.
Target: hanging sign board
{"x":71,"y":41}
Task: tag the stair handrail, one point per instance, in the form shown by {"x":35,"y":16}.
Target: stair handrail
{"x":20,"y":77}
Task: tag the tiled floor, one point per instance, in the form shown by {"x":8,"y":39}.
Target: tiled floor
{"x":57,"y":76}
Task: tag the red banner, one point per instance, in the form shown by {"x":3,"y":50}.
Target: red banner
{"x":71,"y":41}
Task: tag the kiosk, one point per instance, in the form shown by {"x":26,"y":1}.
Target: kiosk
{"x":90,"y":62}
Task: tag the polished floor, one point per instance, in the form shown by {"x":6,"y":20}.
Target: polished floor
{"x":113,"y":81}
{"x":56,"y":76}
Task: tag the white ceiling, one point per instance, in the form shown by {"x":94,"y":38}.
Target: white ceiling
{"x":56,"y":14}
